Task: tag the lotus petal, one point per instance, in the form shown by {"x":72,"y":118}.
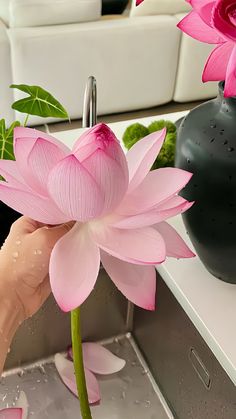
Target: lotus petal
{"x":11,"y":413}
{"x":110,"y":177}
{"x":66,"y":371}
{"x":74,"y":190}
{"x":141,"y":246}
{"x":74,"y":267}
{"x":41,"y":160}
{"x":137,"y":283}
{"x":100,"y":360}
{"x":230,"y":81}
{"x":31,"y":133}
{"x":9,"y":170}
{"x":158,"y":186}
{"x":217,"y":63}
{"x":34,"y":206}
{"x":204,"y":8}
{"x":152,"y":217}
{"x":175,"y":245}
{"x":142,"y":155}
{"x":194,"y":26}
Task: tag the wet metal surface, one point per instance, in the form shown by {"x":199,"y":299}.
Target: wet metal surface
{"x":129,"y":394}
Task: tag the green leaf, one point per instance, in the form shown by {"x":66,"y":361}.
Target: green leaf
{"x":39,"y":102}
{"x":6,"y":140}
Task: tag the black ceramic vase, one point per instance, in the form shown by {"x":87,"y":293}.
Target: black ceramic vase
{"x":7,"y":217}
{"x":206,"y":146}
{"x":113,"y":7}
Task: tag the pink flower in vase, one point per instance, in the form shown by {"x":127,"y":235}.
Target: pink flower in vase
{"x":214,"y":22}
{"x":119,"y":206}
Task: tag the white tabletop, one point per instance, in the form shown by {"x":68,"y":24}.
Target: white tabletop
{"x":209,"y":302}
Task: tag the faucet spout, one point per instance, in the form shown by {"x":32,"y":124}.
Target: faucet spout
{"x":90,"y":103}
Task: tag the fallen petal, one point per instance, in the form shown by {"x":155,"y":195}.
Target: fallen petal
{"x":34,"y":206}
{"x":11,"y":413}
{"x":142,"y":246}
{"x":66,"y":371}
{"x":74,"y":190}
{"x":100,"y":360}
{"x":74,"y":267}
{"x":142,"y":155}
{"x":137,"y":283}
{"x":175,"y":245}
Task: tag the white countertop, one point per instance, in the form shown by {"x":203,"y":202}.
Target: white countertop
{"x":209,"y":302}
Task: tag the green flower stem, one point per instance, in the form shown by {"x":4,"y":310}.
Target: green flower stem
{"x":78,"y":364}
{"x":26,"y":120}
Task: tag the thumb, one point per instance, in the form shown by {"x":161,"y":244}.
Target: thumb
{"x":51,"y":235}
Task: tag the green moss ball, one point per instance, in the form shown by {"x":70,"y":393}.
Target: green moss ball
{"x":133,"y":134}
{"x":166,"y":157}
{"x":158,"y":125}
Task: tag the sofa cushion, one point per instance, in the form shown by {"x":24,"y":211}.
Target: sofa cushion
{"x":159,"y":7}
{"x":4,"y":11}
{"x":23,"y":13}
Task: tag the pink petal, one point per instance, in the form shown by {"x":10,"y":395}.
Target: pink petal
{"x":74,"y":190}
{"x":11,"y":413}
{"x":153,"y":216}
{"x":221,"y":18}
{"x":74,"y":268}
{"x":10,"y":172}
{"x":100,"y":360}
{"x":204,"y":8}
{"x":194,"y":26}
{"x":24,"y":142}
{"x":175,"y":245}
{"x":230,"y":81}
{"x":141,"y":246}
{"x":65,"y":369}
{"x":138,"y":2}
{"x":158,"y":186}
{"x":142,"y":155}
{"x":110,"y":177}
{"x":137,"y":283}
{"x":34,"y":206}
{"x":31,"y":133}
{"x":216,"y":65}
{"x":41,"y":160}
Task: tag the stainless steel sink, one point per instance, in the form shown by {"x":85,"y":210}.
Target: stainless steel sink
{"x":191,"y":382}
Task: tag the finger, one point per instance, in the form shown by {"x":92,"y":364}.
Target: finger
{"x":50,"y":235}
{"x":25,"y":225}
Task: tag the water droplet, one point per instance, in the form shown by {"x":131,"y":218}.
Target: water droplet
{"x":144,"y":371}
{"x":38,"y":381}
{"x":230,"y":149}
{"x":14,"y":260}
{"x":18,"y":242}
{"x":20,"y":373}
{"x":188,"y":161}
{"x":213,"y":125}
{"x":137,"y":402}
{"x":225,"y":142}
{"x":212,"y":140}
{"x":133,"y":364}
{"x":15,"y":255}
{"x":38,"y":252}
{"x":147,"y":403}
{"x":123,"y":395}
{"x":9,"y":350}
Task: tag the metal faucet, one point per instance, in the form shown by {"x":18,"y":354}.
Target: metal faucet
{"x":90,"y":103}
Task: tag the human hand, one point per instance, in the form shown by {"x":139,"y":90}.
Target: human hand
{"x":24,"y":264}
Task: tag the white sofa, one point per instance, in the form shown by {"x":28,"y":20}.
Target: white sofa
{"x":139,"y":61}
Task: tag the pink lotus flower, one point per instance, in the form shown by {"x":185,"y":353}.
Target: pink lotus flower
{"x":120,"y":209}
{"x":214,"y":22}
{"x":97,"y":360}
{"x":18,"y":412}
